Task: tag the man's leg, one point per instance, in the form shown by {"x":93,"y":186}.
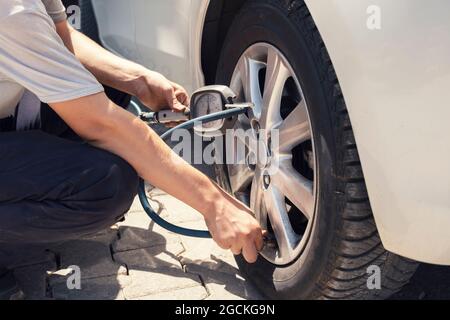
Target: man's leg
{"x":40,"y":218}
{"x":53,"y":190}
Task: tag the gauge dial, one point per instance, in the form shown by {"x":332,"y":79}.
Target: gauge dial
{"x":207,"y":104}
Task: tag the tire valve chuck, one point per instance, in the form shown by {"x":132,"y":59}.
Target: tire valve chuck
{"x":165,"y":116}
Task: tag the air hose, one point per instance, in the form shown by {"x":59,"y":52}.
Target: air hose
{"x":229,"y":113}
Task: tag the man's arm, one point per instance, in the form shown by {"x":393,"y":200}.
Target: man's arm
{"x":151,"y":88}
{"x":109,"y":127}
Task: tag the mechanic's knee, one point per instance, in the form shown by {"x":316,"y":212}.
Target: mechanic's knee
{"x":122,"y":182}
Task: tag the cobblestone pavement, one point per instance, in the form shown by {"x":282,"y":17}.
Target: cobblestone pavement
{"x":138,"y":260}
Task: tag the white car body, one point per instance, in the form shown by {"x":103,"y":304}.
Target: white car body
{"x":395,"y":80}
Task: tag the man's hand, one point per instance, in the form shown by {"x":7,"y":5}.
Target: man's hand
{"x":233,"y":227}
{"x":158,"y":93}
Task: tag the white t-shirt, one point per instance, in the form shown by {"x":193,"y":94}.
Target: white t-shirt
{"x":34,"y":63}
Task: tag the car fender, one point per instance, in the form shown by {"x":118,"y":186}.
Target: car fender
{"x":395,"y":77}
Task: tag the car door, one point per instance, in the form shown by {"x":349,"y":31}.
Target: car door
{"x":168,"y":35}
{"x":116,"y":26}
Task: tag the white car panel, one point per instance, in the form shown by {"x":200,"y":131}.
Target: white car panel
{"x":116,"y":26}
{"x":163,"y":35}
{"x":396,"y":83}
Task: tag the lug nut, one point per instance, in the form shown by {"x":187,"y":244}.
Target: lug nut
{"x":269,"y":148}
{"x":256,"y":127}
{"x":270,"y":242}
{"x":266,"y":181}
{"x":251,"y":161}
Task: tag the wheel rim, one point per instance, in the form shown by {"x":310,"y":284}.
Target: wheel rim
{"x":283,"y":199}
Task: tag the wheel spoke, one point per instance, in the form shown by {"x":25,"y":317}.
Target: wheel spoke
{"x":244,"y":139}
{"x":240,"y":177}
{"x":286,"y":237}
{"x":276,"y":75}
{"x":245,"y":144}
{"x":295,"y":187}
{"x":249,"y":70}
{"x":295,"y":129}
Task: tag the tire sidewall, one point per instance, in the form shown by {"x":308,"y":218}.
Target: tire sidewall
{"x":269,"y":23}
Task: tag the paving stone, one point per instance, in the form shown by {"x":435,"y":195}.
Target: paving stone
{"x":105,"y":288}
{"x":222,"y":286}
{"x":92,"y":257}
{"x":167,"y":205}
{"x":154,"y":281}
{"x":151,"y":192}
{"x":139,"y":232}
{"x":137,"y":206}
{"x":192,"y":293}
{"x":134,"y":238}
{"x":206,"y":254}
{"x":217,"y":268}
{"x":232,"y":291}
{"x":106,"y":237}
{"x":176,"y":210}
{"x":140,"y":219}
{"x":155,"y":270}
{"x":33,"y":279}
{"x":151,"y":258}
{"x":137,"y":219}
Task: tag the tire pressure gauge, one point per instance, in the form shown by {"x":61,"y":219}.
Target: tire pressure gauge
{"x":206,"y":101}
{"x":210,"y":100}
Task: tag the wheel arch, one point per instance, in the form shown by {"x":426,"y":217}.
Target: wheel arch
{"x":218,"y":20}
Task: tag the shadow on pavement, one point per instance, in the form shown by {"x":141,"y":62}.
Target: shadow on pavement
{"x":430,"y":282}
{"x":146,"y":266}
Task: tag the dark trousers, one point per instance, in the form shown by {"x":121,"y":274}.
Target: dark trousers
{"x":54,"y":187}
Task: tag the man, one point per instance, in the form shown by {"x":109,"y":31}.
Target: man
{"x":58,"y":183}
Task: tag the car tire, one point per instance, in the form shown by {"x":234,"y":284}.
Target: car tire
{"x":344,"y":248}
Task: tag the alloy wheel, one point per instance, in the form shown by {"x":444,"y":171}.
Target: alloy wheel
{"x":278,"y":181}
